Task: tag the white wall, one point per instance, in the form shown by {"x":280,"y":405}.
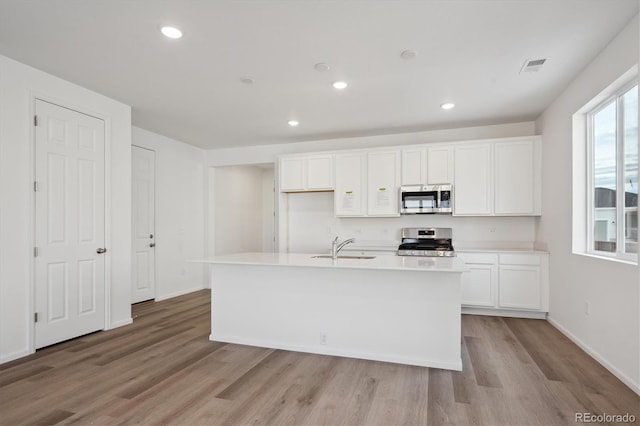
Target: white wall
{"x":19,"y":84}
{"x":269,"y":153}
{"x":180,"y":191}
{"x":268,"y":209}
{"x":611,"y":332}
{"x":312,"y":225}
{"x":238,"y":209}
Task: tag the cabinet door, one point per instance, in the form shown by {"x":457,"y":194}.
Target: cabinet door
{"x":349,"y":193}
{"x":414,"y":166}
{"x":472,"y":191}
{"x":477,"y":285}
{"x":320,"y":172}
{"x":439,"y":165}
{"x":382,"y":182}
{"x":515,"y":178}
{"x":520,"y":287}
{"x":480,"y":284}
{"x":292,"y":174}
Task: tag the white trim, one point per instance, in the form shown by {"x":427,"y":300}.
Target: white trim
{"x":612,"y":95}
{"x":120,"y":323}
{"x":472,"y":310}
{"x":595,"y":355}
{"x":627,"y":260}
{"x":13,"y":356}
{"x":178,"y":293}
{"x":394,"y":358}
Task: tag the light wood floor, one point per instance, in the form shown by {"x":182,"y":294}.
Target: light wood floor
{"x":163,"y":370}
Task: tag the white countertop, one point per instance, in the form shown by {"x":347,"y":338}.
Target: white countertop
{"x":396,"y":263}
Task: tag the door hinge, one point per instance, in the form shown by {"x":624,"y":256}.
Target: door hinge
{"x":35,"y":252}
{"x":35,"y":186}
{"x":35,"y":120}
{"x":35,"y":317}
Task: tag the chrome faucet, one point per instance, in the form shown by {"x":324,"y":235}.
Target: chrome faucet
{"x":336,"y":246}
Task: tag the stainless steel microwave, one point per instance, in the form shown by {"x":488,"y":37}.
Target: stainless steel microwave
{"x":426,"y":199}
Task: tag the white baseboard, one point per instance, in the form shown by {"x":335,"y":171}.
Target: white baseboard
{"x":14,"y":355}
{"x":178,"y":293}
{"x":504,"y":313}
{"x":120,"y":323}
{"x":393,"y":358}
{"x":595,"y":355}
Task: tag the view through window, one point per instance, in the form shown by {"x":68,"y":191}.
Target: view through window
{"x":614,"y":166}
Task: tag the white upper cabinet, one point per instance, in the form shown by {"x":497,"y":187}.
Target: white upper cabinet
{"x":427,"y":165}
{"x":367,"y":183}
{"x":500,"y":178}
{"x":472,"y":191}
{"x":306,"y":173}
{"x":349,"y":195}
{"x":292,"y":174}
{"x":517,"y":178}
{"x":320,"y":172}
{"x":414,"y":166}
{"x":383,"y":179}
{"x":439,"y":165}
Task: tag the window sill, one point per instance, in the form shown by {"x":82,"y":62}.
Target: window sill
{"x":608,"y":258}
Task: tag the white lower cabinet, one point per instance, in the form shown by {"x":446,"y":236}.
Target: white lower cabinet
{"x":508,"y":284}
{"x":520,"y":287}
{"x":480,"y":282}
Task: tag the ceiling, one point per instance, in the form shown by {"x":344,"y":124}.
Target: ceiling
{"x":468,"y":52}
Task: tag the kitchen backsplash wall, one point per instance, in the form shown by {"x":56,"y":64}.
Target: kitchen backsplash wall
{"x":311,"y":226}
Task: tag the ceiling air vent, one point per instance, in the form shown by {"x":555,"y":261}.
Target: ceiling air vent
{"x":532,"y":65}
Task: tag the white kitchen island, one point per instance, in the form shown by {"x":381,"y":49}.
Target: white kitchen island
{"x":391,"y":308}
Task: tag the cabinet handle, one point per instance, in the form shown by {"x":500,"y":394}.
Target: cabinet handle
{"x":348,"y":192}
{"x":101,"y":250}
{"x":152,"y":244}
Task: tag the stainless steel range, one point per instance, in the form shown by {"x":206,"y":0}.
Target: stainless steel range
{"x":430,"y":242}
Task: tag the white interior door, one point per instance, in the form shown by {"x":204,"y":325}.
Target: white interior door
{"x":69,"y":224}
{"x":143,"y":163}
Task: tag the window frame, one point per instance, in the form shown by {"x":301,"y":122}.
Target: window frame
{"x":615,"y":96}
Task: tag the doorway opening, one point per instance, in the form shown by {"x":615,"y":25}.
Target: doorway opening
{"x":242,"y":209}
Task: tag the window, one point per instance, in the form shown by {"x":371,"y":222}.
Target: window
{"x":612,"y":136}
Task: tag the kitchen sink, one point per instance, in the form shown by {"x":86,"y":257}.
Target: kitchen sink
{"x":346,"y":256}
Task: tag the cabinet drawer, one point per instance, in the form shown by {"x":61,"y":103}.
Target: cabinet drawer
{"x":479,"y":258}
{"x":519,"y":259}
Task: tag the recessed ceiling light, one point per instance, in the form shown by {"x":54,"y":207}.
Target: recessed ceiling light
{"x":247,"y":80}
{"x":171,"y":32}
{"x":448,"y":105}
{"x":408,"y":54}
{"x":321,"y":67}
{"x":340,"y":85}
{"x":293,"y":123}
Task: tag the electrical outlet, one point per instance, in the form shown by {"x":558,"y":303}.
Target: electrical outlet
{"x":323,"y":338}
{"x":587,"y":308}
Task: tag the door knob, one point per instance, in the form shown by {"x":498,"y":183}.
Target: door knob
{"x":152,"y":244}
{"x":101,"y":250}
